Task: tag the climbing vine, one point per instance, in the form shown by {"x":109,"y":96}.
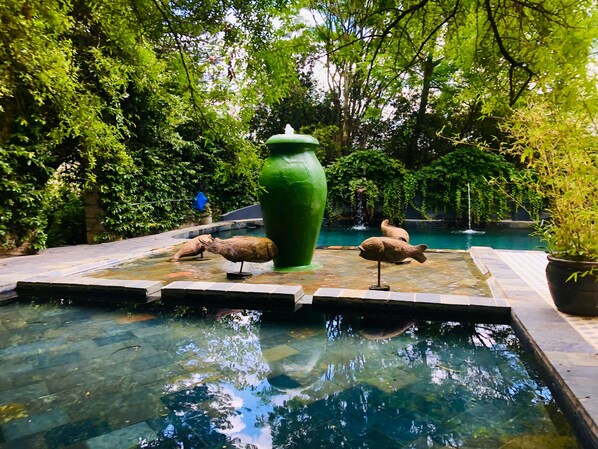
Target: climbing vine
{"x":373,"y":171}
{"x":496,"y":186}
{"x":444,"y":185}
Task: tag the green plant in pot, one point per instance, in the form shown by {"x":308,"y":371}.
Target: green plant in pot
{"x":562,"y":148}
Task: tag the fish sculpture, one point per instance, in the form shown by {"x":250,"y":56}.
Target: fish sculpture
{"x":241,"y":248}
{"x":386,"y":249}
{"x":394,"y":232}
{"x":191,"y":248}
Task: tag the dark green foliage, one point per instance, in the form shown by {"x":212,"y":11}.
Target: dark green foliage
{"x":23,"y":176}
{"x":443,"y":184}
{"x":371,"y":170}
{"x":130,"y":100}
{"x":497,"y":187}
{"x":66,"y":217}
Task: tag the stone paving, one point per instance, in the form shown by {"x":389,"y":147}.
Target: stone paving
{"x":565,"y":347}
{"x":531,"y":265}
{"x":68,"y":260}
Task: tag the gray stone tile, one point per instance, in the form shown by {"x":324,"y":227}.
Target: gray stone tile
{"x":480,"y":301}
{"x":327,"y":292}
{"x":348,"y":293}
{"x":218,"y":288}
{"x":501,"y":302}
{"x":573,"y":359}
{"x":124,"y":438}
{"x":23,"y":393}
{"x":30,"y":425}
{"x":291,"y":291}
{"x":377,"y":295}
{"x":454,"y":300}
{"x":107,"y":340}
{"x":430,"y":298}
{"x":183,"y":285}
{"x":402,"y":296}
{"x":242,"y":288}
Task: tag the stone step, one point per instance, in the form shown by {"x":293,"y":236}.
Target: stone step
{"x":453,"y":307}
{"x":234,"y":295}
{"x":91,"y":289}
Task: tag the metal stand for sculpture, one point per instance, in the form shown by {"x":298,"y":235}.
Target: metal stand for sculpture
{"x":387,"y":249}
{"x":240,"y":275}
{"x":379,"y":286}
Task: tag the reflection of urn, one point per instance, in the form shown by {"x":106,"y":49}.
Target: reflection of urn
{"x":293,"y":197}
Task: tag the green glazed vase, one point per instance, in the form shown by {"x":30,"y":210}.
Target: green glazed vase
{"x":293,"y":198}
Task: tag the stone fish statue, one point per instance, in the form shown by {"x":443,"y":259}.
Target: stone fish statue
{"x":386,"y":249}
{"x":394,"y":232}
{"x":241,"y":249}
{"x":191,"y":248}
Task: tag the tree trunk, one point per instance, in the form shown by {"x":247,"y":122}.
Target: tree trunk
{"x":414,"y":155}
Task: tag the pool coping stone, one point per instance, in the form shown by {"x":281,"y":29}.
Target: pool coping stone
{"x":465,"y":307}
{"x":235,"y":295}
{"x":91,"y":289}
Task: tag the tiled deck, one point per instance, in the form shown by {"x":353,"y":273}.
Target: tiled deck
{"x":565,"y":347}
{"x":530,"y":265}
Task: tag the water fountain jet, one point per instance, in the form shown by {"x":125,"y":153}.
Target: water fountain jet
{"x":469,"y":229}
{"x":360,"y":210}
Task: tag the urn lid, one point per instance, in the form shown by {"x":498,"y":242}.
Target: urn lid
{"x":303,"y":140}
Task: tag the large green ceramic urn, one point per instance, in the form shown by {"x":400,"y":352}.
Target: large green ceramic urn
{"x":293,"y":198}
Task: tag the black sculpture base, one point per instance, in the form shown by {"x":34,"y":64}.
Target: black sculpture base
{"x":238,"y":275}
{"x":381,"y":287}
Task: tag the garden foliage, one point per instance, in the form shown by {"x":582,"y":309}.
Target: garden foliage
{"x":131,"y":100}
{"x":441,"y":187}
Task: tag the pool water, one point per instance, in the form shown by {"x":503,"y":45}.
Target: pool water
{"x":435,"y":238}
{"x":83,"y":377}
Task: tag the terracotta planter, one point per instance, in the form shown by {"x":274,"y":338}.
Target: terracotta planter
{"x":575,"y":298}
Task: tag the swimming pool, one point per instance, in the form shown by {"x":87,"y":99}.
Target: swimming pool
{"x":435,"y":238}
{"x":152,"y":378}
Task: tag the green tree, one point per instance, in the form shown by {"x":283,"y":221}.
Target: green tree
{"x":102,"y":91}
{"x":456,"y":66}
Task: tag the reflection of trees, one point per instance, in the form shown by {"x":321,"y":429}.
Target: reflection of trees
{"x":227,"y":349}
{"x":469,"y":383}
{"x":258,"y":381}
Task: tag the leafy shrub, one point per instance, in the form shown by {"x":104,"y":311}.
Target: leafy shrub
{"x":65,"y":214}
{"x":372,"y":170}
{"x":23,"y":175}
{"x":443,"y":184}
{"x":562,"y":148}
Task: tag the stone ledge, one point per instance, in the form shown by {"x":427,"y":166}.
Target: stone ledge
{"x":91,"y":289}
{"x":229,"y":294}
{"x":424,"y":304}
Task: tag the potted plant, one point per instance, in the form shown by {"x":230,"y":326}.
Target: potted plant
{"x":561,"y":147}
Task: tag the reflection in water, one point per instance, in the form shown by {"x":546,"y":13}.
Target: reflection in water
{"x":95,"y":377}
{"x":261,"y":381}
